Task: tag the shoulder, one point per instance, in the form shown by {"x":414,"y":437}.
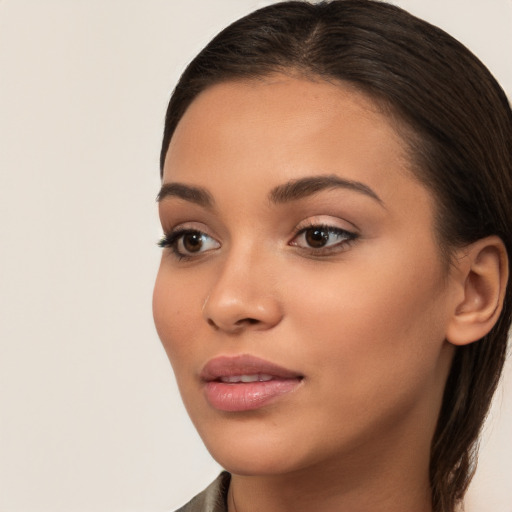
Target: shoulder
{"x":212,"y":499}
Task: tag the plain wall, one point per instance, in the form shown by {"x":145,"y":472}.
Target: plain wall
{"x":90,"y":415}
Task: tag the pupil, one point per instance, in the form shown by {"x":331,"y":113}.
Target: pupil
{"x":316,"y":237}
{"x":192,"y":242}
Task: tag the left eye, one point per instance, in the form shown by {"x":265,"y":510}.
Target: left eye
{"x":319,"y":237}
{"x":186,"y":243}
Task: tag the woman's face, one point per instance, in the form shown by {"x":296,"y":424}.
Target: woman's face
{"x":301,"y":296}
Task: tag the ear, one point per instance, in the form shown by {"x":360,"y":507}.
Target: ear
{"x":481,"y":275}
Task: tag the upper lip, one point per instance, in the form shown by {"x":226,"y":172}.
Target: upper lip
{"x":230,"y":366}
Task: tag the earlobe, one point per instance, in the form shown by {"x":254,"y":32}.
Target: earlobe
{"x":482,"y":275}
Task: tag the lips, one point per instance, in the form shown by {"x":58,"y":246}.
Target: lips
{"x":244,"y":383}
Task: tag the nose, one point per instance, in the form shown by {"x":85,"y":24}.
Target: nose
{"x":243,"y":297}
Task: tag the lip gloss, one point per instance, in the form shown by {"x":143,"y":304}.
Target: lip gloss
{"x":244,"y":382}
{"x":246,"y":396}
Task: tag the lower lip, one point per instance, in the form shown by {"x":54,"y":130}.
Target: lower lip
{"x":247,"y":396}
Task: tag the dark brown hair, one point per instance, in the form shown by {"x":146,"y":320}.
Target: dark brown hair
{"x":459,"y":131}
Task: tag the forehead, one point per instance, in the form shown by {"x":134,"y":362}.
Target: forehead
{"x":279,"y":128}
{"x":281,"y":107}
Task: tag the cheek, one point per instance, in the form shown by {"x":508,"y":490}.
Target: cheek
{"x":373,"y":355}
{"x":367,"y":326}
{"x":175,"y":311}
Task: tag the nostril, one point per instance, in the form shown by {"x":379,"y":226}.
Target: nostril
{"x":211,"y":323}
{"x":250,"y":321}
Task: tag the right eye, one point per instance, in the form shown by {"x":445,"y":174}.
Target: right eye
{"x":186,"y":243}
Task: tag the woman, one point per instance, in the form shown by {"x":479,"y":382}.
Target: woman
{"x":333,"y":288}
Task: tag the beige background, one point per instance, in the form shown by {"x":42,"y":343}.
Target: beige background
{"x":90,"y":417}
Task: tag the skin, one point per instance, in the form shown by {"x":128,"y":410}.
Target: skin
{"x":364,"y":321}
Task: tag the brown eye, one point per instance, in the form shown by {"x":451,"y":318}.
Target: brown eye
{"x":316,"y":237}
{"x":327,"y":238}
{"x":192,"y":242}
{"x":188,"y":243}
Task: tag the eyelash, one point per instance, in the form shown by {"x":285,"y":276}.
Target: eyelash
{"x":171,"y":240}
{"x":348,"y":237}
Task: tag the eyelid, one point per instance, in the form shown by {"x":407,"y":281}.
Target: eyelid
{"x":348,"y":235}
{"x":329,"y":226}
{"x":180,"y":227}
{"x":173,"y":237}
{"x":327,"y":221}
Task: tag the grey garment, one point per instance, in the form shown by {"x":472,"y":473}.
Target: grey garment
{"x":212,"y":499}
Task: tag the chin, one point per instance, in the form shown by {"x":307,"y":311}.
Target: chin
{"x":260,"y":464}
{"x":252,"y":453}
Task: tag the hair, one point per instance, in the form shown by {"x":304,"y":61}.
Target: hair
{"x":458,"y":128}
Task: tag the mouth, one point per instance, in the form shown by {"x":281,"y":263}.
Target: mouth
{"x":246,"y":378}
{"x":244,"y":383}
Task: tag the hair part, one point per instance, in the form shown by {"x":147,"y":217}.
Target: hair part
{"x":458,"y":127}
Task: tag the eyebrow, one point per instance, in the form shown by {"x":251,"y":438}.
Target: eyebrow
{"x":304,"y":187}
{"x":291,"y":191}
{"x":197,"y":195}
